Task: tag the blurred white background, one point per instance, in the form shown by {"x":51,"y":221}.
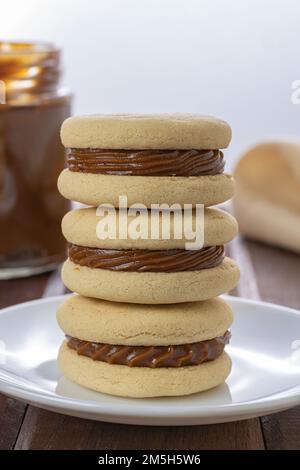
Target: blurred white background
{"x":234,"y":59}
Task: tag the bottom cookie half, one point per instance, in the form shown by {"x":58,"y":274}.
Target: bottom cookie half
{"x":151,"y":287}
{"x":142,"y":382}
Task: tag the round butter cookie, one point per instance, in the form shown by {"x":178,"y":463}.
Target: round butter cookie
{"x":151,"y":287}
{"x":119,"y":323}
{"x":142,"y":382}
{"x":145,"y":131}
{"x":79,"y":228}
{"x":94,"y":189}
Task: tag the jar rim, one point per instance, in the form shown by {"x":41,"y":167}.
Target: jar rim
{"x":17,"y":48}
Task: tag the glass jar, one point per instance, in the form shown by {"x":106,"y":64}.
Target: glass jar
{"x":31,"y":158}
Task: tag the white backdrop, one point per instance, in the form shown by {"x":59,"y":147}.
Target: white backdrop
{"x":235,"y":59}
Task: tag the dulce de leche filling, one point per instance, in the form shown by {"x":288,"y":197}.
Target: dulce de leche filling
{"x":165,"y":261}
{"x":152,"y":356}
{"x":146,"y":162}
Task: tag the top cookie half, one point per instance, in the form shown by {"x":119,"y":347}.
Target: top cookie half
{"x":156,"y":131}
{"x":151,"y":159}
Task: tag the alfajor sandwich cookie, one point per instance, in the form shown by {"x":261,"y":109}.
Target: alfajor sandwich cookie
{"x":148,"y":271}
{"x":150,"y":159}
{"x":145,"y":350}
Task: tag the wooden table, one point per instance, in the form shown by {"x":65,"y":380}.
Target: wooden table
{"x":267,"y":273}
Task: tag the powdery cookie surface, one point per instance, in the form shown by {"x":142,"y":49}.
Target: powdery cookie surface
{"x":94,"y":189}
{"x":142,"y":382}
{"x":151,"y":288}
{"x":79,"y":227}
{"x":156,"y":131}
{"x":143,"y":325}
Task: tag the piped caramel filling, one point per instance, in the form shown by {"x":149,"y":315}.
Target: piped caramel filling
{"x":152,"y":356}
{"x":146,"y":162}
{"x":166,"y":261}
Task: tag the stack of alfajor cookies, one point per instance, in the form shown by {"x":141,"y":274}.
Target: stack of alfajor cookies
{"x":146,"y":320}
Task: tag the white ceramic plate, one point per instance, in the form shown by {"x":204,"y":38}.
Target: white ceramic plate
{"x":265,"y":349}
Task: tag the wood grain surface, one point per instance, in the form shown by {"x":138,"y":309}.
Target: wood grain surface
{"x":267,"y":273}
